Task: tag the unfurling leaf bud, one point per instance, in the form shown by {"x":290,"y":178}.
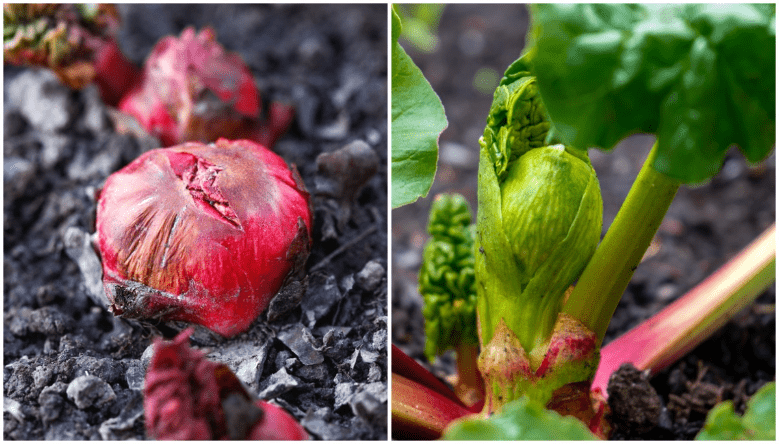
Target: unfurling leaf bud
{"x":202,"y":233}
{"x":550,"y":196}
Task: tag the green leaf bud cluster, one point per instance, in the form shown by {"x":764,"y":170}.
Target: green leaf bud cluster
{"x":516,"y":123}
{"x":446,"y":279}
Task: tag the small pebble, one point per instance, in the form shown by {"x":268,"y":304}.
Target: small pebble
{"x":89,"y":391}
{"x":370,"y":277}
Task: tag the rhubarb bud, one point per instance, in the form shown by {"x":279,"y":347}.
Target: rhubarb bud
{"x":76,"y":41}
{"x":202,"y":233}
{"x":187,"y":397}
{"x":194,"y":90}
{"x":538,"y":224}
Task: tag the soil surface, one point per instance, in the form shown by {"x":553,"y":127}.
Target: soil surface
{"x":704,"y":227}
{"x":326,"y":360}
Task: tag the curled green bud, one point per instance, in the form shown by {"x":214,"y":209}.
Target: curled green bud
{"x":516,"y":123}
{"x":550,"y":195}
{"x":539,"y":218}
{"x":446,"y":279}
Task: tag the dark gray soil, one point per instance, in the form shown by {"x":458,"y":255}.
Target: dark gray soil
{"x":704,"y":227}
{"x":72,"y":371}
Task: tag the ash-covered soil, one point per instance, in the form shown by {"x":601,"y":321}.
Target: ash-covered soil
{"x":326,"y":361}
{"x":704,"y":227}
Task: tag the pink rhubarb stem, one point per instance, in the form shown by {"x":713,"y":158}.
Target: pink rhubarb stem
{"x":403,"y":365}
{"x":420,"y":412}
{"x":681,"y":326}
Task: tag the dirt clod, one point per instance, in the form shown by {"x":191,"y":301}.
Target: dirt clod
{"x":635,"y":404}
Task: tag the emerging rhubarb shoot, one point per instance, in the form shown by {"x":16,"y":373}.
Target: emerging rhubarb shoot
{"x":187,"y":397}
{"x":76,"y":41}
{"x":448,"y":289}
{"x":194,"y":90}
{"x":538,"y":224}
{"x":200,"y":233}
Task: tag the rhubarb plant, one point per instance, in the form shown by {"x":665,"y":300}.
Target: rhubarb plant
{"x":591,"y":76}
{"x":538,"y":223}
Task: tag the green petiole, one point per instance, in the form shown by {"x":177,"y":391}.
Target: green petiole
{"x":606,"y":276}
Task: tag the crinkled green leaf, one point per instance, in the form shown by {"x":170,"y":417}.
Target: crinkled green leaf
{"x":417,"y":121}
{"x":521,"y":419}
{"x":446,"y":279}
{"x":701,"y":77}
{"x":516,"y":122}
{"x":758,"y":423}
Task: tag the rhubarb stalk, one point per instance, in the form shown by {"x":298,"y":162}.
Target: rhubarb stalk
{"x":420,"y":412}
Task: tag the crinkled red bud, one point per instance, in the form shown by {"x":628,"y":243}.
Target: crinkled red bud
{"x":187,"y":397}
{"x":202,"y":233}
{"x":181,"y":396}
{"x":193,"y":90}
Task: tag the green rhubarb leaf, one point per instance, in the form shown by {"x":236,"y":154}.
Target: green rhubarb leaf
{"x":521,"y":419}
{"x":417,"y":121}
{"x":758,"y":423}
{"x":701,"y":77}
